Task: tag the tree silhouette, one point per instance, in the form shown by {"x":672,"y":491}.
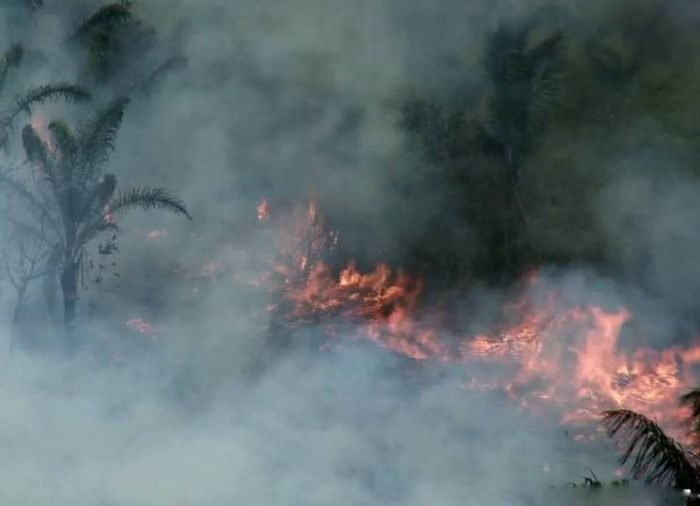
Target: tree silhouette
{"x":22,"y":104}
{"x":117,"y":49}
{"x":525,"y":82}
{"x":72,"y":194}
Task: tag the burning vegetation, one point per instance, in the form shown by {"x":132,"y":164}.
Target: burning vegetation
{"x":547,"y":353}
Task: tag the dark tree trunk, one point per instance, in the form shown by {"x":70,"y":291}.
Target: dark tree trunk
{"x":513,"y":215}
{"x":69,"y":287}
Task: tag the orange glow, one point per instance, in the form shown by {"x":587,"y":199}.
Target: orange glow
{"x":548,"y":354}
{"x":262,"y":211}
{"x":153,"y":234}
{"x":40,"y":124}
{"x":141,"y":326}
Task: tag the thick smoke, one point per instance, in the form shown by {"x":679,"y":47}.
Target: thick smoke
{"x":287,"y":100}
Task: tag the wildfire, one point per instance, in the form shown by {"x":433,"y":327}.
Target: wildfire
{"x":262,"y":211}
{"x":141,"y":326}
{"x":550,"y":354}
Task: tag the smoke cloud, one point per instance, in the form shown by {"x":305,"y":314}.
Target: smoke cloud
{"x":286,"y":101}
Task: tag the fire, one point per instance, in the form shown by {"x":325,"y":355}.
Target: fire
{"x":141,"y":326}
{"x":262,"y":211}
{"x":550,"y":353}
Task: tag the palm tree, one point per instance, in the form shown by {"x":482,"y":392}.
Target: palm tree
{"x":116,"y":46}
{"x":525,"y":82}
{"x":654,"y":456}
{"x":22,"y":104}
{"x":75,"y":197}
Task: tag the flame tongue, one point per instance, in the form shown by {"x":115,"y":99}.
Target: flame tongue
{"x":551,"y":354}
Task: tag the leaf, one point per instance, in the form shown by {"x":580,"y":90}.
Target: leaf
{"x":97,"y":138}
{"x":64,"y":140}
{"x":34,"y":147}
{"x":105,"y":19}
{"x":691,"y":400}
{"x":148,"y":198}
{"x":655,"y":457}
{"x":66,"y":91}
{"x":548,"y":64}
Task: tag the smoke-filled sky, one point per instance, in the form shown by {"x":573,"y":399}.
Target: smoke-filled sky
{"x":286,"y":100}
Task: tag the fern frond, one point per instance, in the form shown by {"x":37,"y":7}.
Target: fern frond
{"x":148,"y":198}
{"x":655,"y":457}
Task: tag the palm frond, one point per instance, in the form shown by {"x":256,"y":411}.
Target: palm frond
{"x":691,"y":400}
{"x":148,"y":198}
{"x":105,"y":19}
{"x":547,"y":61}
{"x":504,"y":46}
{"x":655,"y":457}
{"x":35,"y":149}
{"x":67,"y":91}
{"x":10,"y":59}
{"x":64,"y":139}
{"x":97,"y":138}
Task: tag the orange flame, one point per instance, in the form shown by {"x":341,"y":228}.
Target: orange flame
{"x":262,"y":211}
{"x":550,"y":354}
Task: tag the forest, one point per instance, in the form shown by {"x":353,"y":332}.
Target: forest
{"x":372,"y":252}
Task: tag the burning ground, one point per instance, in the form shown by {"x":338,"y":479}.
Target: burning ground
{"x":554,"y":344}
